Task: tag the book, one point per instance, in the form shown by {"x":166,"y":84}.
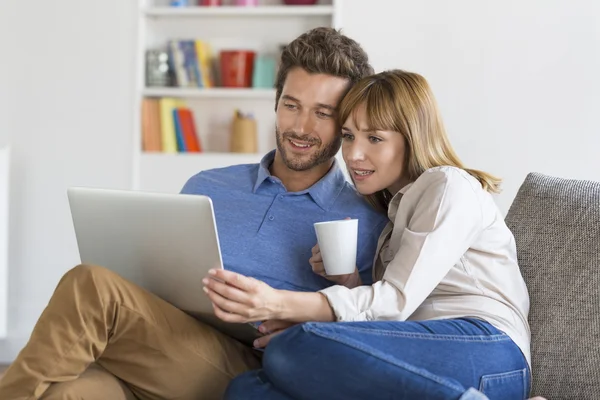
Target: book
{"x":151,"y":125}
{"x":177,"y":62}
{"x":203,"y":52}
{"x":178,"y":131}
{"x":167,"y":124}
{"x":188,"y":127}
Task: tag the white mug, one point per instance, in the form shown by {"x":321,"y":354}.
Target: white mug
{"x":337,"y":241}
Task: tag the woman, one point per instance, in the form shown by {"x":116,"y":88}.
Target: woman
{"x":448,"y":309}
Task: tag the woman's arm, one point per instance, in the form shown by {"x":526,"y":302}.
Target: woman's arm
{"x":442,"y":218}
{"x":303,"y":307}
{"x":237,"y":298}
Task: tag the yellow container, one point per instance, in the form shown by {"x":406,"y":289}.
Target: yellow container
{"x":243,"y":135}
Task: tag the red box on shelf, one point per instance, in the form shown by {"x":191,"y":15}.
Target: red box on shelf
{"x":210,"y":3}
{"x":236,"y":68}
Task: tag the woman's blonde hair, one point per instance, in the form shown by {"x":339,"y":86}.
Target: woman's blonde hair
{"x":403,"y":102}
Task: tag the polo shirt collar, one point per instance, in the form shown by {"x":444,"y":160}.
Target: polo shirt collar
{"x":324,"y":192}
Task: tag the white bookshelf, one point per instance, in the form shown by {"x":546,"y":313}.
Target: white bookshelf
{"x":211,"y":93}
{"x":228,"y":11}
{"x":262,"y":28}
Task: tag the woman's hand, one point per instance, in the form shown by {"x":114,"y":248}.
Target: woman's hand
{"x":270,"y":329}
{"x":316,"y":262}
{"x":237,"y":298}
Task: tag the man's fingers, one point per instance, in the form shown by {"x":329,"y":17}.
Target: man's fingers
{"x":264,"y":340}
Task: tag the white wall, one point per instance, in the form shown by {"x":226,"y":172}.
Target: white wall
{"x":3,"y":194}
{"x":66,"y":83}
{"x":4,"y":189}
{"x":518,"y":82}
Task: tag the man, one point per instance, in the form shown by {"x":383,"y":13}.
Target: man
{"x":102,"y":337}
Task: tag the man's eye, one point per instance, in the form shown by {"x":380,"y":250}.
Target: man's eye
{"x":290,"y":106}
{"x":323,"y":115}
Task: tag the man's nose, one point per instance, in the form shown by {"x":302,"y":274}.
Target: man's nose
{"x":304,"y":123}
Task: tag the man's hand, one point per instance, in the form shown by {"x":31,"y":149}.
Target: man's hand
{"x":270,"y":329}
{"x":316,"y":262}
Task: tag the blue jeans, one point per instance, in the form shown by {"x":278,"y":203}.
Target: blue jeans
{"x":441,"y":359}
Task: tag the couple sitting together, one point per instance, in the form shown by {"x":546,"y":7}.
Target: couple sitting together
{"x":436,"y":308}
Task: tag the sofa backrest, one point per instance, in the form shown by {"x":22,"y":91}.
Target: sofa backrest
{"x":556,"y":224}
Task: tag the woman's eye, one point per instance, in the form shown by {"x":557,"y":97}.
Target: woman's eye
{"x":347,"y":136}
{"x":374,"y":139}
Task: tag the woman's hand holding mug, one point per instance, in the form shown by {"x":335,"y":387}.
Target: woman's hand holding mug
{"x":316,"y":262}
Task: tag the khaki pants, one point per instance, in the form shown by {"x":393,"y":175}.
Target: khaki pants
{"x":135,"y":345}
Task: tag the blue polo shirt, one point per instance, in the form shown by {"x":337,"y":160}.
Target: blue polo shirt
{"x":267,"y":232}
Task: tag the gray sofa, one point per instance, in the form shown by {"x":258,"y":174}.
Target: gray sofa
{"x":556,"y":224}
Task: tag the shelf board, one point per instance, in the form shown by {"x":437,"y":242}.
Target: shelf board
{"x":207,"y":155}
{"x":231,"y":11}
{"x":221,"y":93}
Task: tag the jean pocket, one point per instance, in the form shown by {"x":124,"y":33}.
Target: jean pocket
{"x":510,"y":385}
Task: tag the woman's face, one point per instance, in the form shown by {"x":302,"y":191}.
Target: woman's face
{"x":375,"y":159}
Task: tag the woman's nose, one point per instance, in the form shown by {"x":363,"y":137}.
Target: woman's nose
{"x":354,"y":152}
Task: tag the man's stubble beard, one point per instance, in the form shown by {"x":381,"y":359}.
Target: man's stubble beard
{"x":323,"y":155}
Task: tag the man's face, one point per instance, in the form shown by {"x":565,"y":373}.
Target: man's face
{"x":307,"y":132}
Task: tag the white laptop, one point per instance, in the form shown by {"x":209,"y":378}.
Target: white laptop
{"x":165,"y":243}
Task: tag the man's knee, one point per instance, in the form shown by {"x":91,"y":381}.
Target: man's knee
{"x":75,"y":391}
{"x":65,"y":391}
{"x":94,"y":384}
{"x":85,"y":274}
{"x":86,"y":282}
{"x":87,"y":270}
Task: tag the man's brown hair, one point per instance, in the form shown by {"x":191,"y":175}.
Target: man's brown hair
{"x":323,"y":51}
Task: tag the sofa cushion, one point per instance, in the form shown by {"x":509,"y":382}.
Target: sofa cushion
{"x":556,"y":224}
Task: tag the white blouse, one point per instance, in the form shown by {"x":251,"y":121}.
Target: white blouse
{"x":446,"y":253}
